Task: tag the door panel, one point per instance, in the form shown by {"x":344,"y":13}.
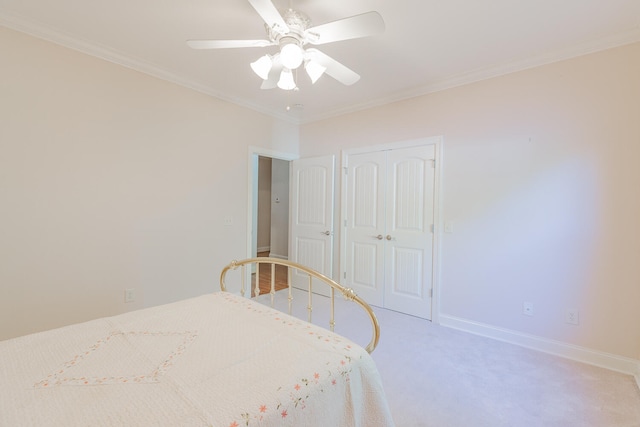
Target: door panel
{"x":407,"y":265}
{"x":389,"y":228}
{"x":365,"y":223}
{"x":312,"y":181}
{"x":409,"y":239}
{"x":365,"y":256}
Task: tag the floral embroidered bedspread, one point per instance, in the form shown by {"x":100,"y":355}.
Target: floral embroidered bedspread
{"x":217,"y":360}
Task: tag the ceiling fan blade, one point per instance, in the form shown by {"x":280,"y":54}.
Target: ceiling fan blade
{"x":270,"y":15}
{"x":366,"y":24}
{"x":226,"y":44}
{"x":274,"y":74}
{"x":335,"y":69}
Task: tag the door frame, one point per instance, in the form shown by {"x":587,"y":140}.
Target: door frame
{"x":438,"y":142}
{"x":252,"y":193}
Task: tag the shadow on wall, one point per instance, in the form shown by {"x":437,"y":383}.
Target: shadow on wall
{"x":530,"y":238}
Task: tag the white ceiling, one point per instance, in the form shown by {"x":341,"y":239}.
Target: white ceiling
{"x":427,"y":45}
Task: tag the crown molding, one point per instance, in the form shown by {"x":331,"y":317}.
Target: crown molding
{"x":43,"y":32}
{"x":111,"y":55}
{"x":610,"y":42}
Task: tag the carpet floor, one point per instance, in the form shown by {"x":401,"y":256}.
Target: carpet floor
{"x":438,"y":376}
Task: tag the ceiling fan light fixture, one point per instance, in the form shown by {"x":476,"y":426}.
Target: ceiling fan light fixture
{"x":292,"y":55}
{"x":286,"y":81}
{"x":262,"y":66}
{"x":314,"y":70}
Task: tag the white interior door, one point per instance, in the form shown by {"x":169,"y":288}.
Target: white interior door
{"x":366,"y":225}
{"x":389,"y":236}
{"x":311,"y":218}
{"x":409,"y":230}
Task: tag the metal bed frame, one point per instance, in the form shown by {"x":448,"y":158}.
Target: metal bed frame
{"x":347,"y":293}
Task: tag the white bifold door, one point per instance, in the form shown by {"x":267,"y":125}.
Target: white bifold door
{"x":389,"y":228}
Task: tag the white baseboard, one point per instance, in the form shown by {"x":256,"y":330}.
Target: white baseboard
{"x":272,"y":255}
{"x":593,"y":357}
{"x":263,"y":249}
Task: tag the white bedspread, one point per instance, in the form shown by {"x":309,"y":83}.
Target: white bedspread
{"x":215,"y":360}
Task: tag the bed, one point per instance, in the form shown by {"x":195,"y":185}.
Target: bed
{"x":221,"y":359}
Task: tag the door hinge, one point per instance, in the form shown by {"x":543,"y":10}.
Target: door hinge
{"x":433,"y":228}
{"x":346,"y":170}
{"x":431,"y":293}
{"x":344,"y":276}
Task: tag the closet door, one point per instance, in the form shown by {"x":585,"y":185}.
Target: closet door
{"x":409,"y":230}
{"x":389,"y":228}
{"x":365,"y":225}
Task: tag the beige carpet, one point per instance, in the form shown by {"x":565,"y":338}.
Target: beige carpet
{"x":437,"y":376}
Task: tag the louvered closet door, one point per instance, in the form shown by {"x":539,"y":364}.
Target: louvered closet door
{"x":409,"y":232}
{"x":389,"y":234}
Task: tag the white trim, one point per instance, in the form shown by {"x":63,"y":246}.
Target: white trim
{"x":272,"y":255}
{"x":120,"y":58}
{"x":581,"y":354}
{"x":253,"y":154}
{"x":432,"y":140}
{"x":436,"y":141}
{"x":40,"y":31}
{"x":438,"y":223}
{"x":608,"y":42}
{"x":252,"y":196}
{"x":264,"y":249}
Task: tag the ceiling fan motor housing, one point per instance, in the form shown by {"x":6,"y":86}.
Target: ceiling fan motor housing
{"x":296,"y":20}
{"x":297,"y":23}
{"x":291,"y":31}
{"x":291,"y":42}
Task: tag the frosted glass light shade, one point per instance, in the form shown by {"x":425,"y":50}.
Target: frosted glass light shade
{"x":314,"y":70}
{"x":262,"y":66}
{"x":291,"y":55}
{"x":286,"y":81}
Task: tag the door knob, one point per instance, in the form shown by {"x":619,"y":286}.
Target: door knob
{"x":388,"y":236}
{"x":379,"y":237}
{"x":326,"y":233}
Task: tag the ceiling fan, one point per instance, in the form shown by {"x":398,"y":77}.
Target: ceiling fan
{"x":291,"y":31}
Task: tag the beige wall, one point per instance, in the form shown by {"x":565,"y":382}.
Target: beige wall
{"x":541,"y":182}
{"x":264,"y":204}
{"x":111,"y":179}
{"x":280,"y":209}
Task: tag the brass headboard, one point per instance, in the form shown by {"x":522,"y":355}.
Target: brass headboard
{"x":348,"y":294}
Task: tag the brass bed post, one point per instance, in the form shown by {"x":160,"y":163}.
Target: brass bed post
{"x":347,"y":293}
{"x":244,"y":280}
{"x":273,"y":283}
{"x":310,"y":305}
{"x":332,"y":319}
{"x":290,"y":296}
{"x":257,"y":288}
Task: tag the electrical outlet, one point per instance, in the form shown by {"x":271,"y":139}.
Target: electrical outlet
{"x":129,"y":295}
{"x":572,"y":316}
{"x":228,"y":221}
{"x":527,"y":308}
